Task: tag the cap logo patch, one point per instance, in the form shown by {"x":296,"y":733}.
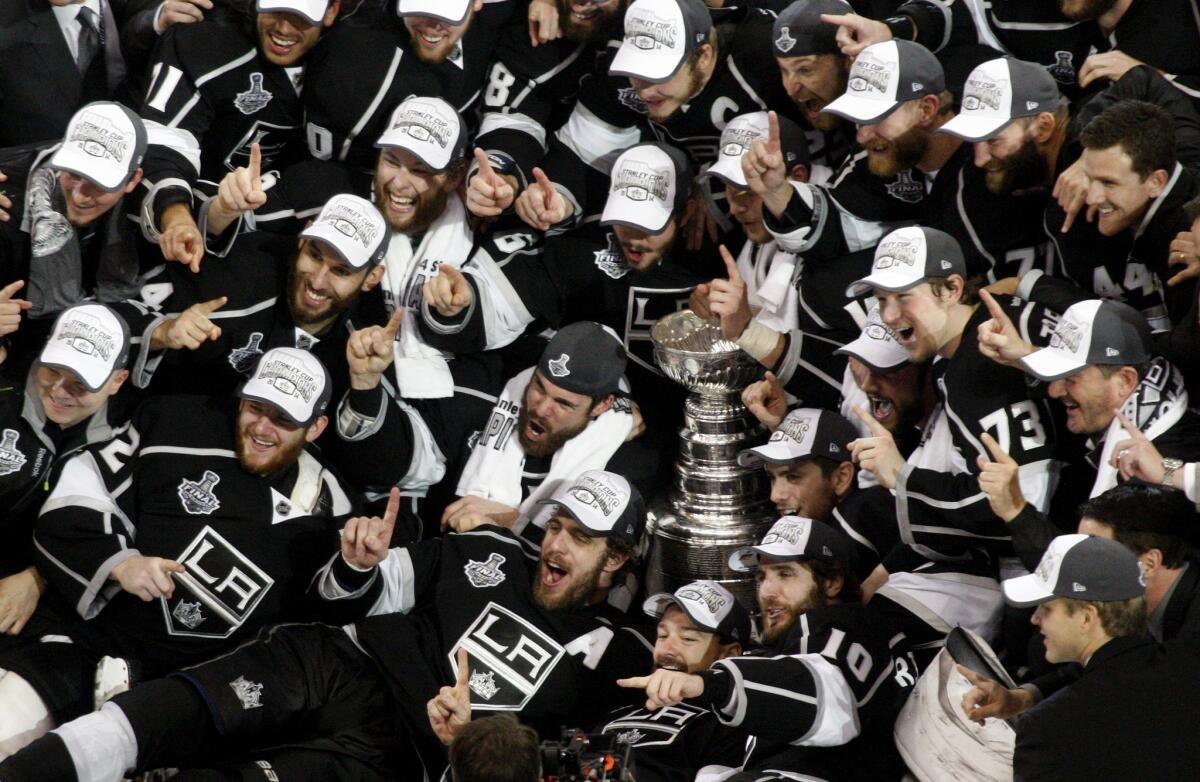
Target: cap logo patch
{"x":1110,"y":352}
{"x":424,"y":126}
{"x":785,"y":41}
{"x":787,"y":532}
{"x":870,"y":74}
{"x":795,"y":428}
{"x":984,"y":94}
{"x":596,"y":495}
{"x":736,"y":140}
{"x":558,"y":366}
{"x":353,"y":224}
{"x":1030,"y":105}
{"x":703,"y":593}
{"x":87,"y":338}
{"x":1045,"y":568}
{"x":639,"y":182}
{"x":947,"y":265}
{"x":647,"y":31}
{"x":288,"y":379}
{"x":825,"y":550}
{"x":1067,"y":336}
{"x":878,"y":332}
{"x":98,"y":137}
{"x":895,"y":252}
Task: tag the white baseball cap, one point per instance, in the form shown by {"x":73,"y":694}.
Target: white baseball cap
{"x":885,"y":75}
{"x":292,"y":380}
{"x":312,"y":10}
{"x":104,"y":143}
{"x":603,"y":503}
{"x":429,"y":128}
{"x":1079,"y":567}
{"x":998,"y":92}
{"x":876,"y":345}
{"x":89,"y":340}
{"x":649,"y":182}
{"x":449,"y":11}
{"x":708,"y":605}
{"x":353,"y":227}
{"x":659,"y":35}
{"x":907,"y":257}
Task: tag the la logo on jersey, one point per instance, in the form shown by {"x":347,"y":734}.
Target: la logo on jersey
{"x":510,"y":658}
{"x":11,"y":459}
{"x":198,"y":497}
{"x":254,"y":99}
{"x":217,"y":592}
{"x":485,"y":574}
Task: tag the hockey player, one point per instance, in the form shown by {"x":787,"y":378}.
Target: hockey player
{"x":919,"y":279}
{"x":216,"y":89}
{"x":321,"y":702}
{"x":200,"y":523}
{"x":821,"y":697}
{"x":71,"y":399}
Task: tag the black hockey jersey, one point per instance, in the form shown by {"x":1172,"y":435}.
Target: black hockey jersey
{"x":675,"y":743}
{"x":171,"y":485}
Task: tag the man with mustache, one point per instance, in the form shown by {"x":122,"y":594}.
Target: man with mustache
{"x":821,"y":695}
{"x":351,"y":702}
{"x":201,"y":522}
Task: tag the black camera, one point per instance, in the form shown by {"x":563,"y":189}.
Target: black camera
{"x":582,"y":756}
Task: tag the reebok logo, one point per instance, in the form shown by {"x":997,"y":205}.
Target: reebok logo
{"x":1078,"y":587}
{"x":1111,"y":352}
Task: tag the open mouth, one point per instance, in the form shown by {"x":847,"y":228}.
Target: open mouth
{"x":905,"y":335}
{"x":432,"y":38}
{"x":259,"y":445}
{"x":534,"y":430}
{"x":313,"y":298}
{"x":585,"y":12}
{"x":882,"y":409}
{"x":552,"y":575}
{"x":402,"y":205}
{"x":281,"y":45}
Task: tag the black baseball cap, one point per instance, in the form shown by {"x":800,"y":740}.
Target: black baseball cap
{"x":1079,"y":567}
{"x":886,"y":75}
{"x":584,"y":358}
{"x":1096,"y":332}
{"x":907,"y":257}
{"x":804,"y":433}
{"x":794,"y":538}
{"x":709,"y":606}
{"x":604,"y":503}
{"x":799,"y":31}
{"x":998,"y":92}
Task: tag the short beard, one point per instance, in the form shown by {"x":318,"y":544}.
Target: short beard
{"x":811,"y":600}
{"x":285,"y":458}
{"x":579,"y":595}
{"x":905,"y":152}
{"x":429,"y":208}
{"x":336,"y":306}
{"x":598,"y":29}
{"x":1025,"y":170}
{"x":551,"y":442}
{"x":1085,"y":9}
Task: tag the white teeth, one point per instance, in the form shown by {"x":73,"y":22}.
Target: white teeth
{"x":432,"y":39}
{"x":401,"y":202}
{"x":280,"y":41}
{"x":257,"y":441}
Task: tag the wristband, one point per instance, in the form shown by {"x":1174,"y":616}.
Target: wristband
{"x":758,"y":340}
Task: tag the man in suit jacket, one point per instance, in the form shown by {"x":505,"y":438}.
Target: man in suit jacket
{"x":41,"y":84}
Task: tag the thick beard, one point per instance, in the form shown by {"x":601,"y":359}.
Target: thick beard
{"x":1025,"y":170}
{"x":284,"y":458}
{"x":906,"y":152}
{"x":550,"y":443}
{"x":430,"y":206}
{"x":1086,"y":9}
{"x":599,"y":29}
{"x":811,"y":600}
{"x":300,"y":318}
{"x":575,"y":598}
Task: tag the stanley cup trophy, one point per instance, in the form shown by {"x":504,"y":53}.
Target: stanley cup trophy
{"x":714,"y":506}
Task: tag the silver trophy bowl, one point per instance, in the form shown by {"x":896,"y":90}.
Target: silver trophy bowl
{"x":714,"y":506}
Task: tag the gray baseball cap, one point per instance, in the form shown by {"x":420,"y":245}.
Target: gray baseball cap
{"x":886,"y":75}
{"x":659,"y":36}
{"x":585,"y":358}
{"x":1096,"y":332}
{"x":802,"y":434}
{"x":998,"y":92}
{"x":794,"y":538}
{"x":603,"y":503}
{"x":744,"y":130}
{"x":876,"y":346}
{"x":709,"y":606}
{"x":907,"y":257}
{"x":1079,"y":567}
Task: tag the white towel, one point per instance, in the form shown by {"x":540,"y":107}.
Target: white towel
{"x":769,"y":273}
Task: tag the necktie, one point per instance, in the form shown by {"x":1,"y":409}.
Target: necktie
{"x":89,"y":38}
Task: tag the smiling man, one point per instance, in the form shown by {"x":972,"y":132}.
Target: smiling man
{"x":224,"y":517}
{"x":534,"y":632}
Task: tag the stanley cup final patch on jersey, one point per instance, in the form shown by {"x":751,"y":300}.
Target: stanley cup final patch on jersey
{"x":485,"y":574}
{"x":198,"y":497}
{"x":905,"y":188}
{"x":510,"y":659}
{"x":610,"y":261}
{"x":254,"y":99}
{"x":11,"y":459}
{"x":217,"y":592}
{"x":244,"y":358}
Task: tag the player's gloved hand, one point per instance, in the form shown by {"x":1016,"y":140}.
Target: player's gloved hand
{"x":147,"y":577}
{"x":665,"y":687}
{"x":489,"y":193}
{"x":728,"y":299}
{"x":877,"y":453}
{"x":988,"y":698}
{"x":766,"y":401}
{"x":448,"y":291}
{"x":191,"y":329}
{"x":365,"y":539}
{"x":467,"y":513}
{"x":240,"y":191}
{"x":1000,"y":480}
{"x":450,"y":710}
{"x":181,"y":239}
{"x":369,"y":352}
{"x":856,"y":33}
{"x":766,"y":174}
{"x":999,"y":339}
{"x":19,"y":595}
{"x":1137,"y":457}
{"x":540,"y":205}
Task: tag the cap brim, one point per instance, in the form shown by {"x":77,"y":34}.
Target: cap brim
{"x":778,"y":452}
{"x":656,"y":605}
{"x":312,"y":10}
{"x":1025,"y":591}
{"x":878,"y":359}
{"x":57,"y":358}
{"x":975,"y":128}
{"x":1052,"y":364}
{"x":288,"y":413}
{"x":893,"y":283}
{"x":326,"y":233}
{"x":636,"y":64}
{"x":861,"y":111}
{"x":399,"y":141}
{"x":567,"y":505}
{"x":635,"y":215}
{"x":728,"y":170}
{"x":76,"y":162}
{"x":436,"y":9}
{"x":746,"y":559}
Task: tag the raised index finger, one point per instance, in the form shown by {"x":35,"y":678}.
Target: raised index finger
{"x":464,"y":667}
{"x":773,"y":142}
{"x":392,"y":510}
{"x":255,"y":164}
{"x":993,"y":306}
{"x":7,"y":292}
{"x":1133,"y":431}
{"x":999,"y":455}
{"x":544,"y":181}
{"x":731,"y":269}
{"x":393,"y":325}
{"x":485,"y":165}
{"x":877,"y":429}
{"x":212,"y":305}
